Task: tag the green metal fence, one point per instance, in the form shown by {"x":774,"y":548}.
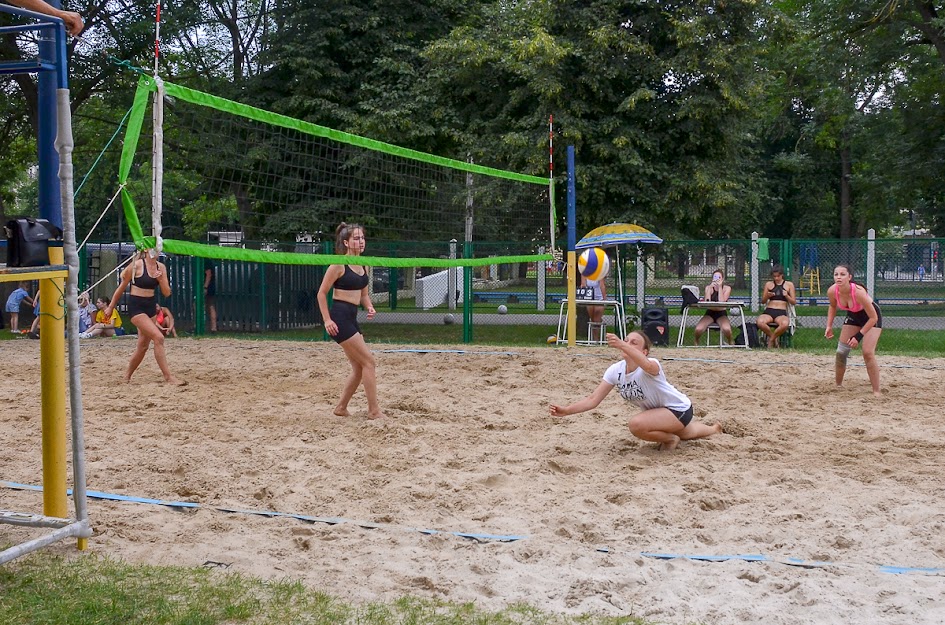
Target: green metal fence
{"x":505,"y":302}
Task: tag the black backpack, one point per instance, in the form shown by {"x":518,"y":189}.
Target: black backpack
{"x":27,"y":241}
{"x":752,"y":336}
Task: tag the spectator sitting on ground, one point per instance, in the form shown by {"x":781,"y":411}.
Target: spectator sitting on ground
{"x":87,"y":312}
{"x":103,"y":326}
{"x":164,"y":320}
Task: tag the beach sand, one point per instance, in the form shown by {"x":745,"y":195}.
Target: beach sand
{"x":804,"y":473}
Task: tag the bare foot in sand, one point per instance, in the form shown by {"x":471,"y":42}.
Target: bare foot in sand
{"x":376,"y":415}
{"x":341,"y":412}
{"x":174,"y":381}
{"x":669,"y":446}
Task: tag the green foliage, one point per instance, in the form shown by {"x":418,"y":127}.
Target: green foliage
{"x":657,"y":103}
{"x":696,"y":118}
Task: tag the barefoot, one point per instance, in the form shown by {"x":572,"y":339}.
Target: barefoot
{"x":174,"y":381}
{"x":376,"y":415}
{"x":716,"y":429}
{"x":877,"y":394}
{"x":671,"y":445}
{"x":341,"y":412}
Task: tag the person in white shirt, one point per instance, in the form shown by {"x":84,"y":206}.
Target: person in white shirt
{"x":667,"y":413}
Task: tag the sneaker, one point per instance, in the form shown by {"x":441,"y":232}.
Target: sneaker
{"x":85,"y":335}
{"x":33,"y":335}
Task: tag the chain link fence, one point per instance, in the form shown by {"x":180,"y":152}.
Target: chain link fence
{"x":522,"y":301}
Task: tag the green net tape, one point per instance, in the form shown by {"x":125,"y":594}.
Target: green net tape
{"x":189,"y":248}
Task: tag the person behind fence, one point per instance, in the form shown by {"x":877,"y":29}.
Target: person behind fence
{"x":595,"y":314}
{"x":715,"y":291}
{"x":776,"y":296}
{"x":210,"y":292}
{"x":164,"y":319}
{"x":14,"y":302}
{"x":667,"y":415}
{"x":350,"y":285}
{"x":144,"y":275}
{"x":861,"y":328}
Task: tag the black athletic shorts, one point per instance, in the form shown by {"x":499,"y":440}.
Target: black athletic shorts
{"x":860,"y":318}
{"x":684,"y":416}
{"x":345,"y":316}
{"x":138,"y":305}
{"x":716,"y":314}
{"x":774,"y":313}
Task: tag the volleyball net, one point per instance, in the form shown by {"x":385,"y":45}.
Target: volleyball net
{"x":217,"y":169}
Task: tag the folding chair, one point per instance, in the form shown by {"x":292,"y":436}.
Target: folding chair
{"x":787,"y":339}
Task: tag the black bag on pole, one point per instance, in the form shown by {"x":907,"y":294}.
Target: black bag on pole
{"x":28,"y":241}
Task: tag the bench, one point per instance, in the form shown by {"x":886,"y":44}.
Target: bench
{"x":515,"y":297}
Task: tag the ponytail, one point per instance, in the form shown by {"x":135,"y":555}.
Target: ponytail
{"x":342,"y":234}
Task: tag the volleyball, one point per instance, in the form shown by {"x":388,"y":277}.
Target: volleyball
{"x":502,"y":309}
{"x":594,"y":264}
{"x":552,"y":339}
{"x":449,"y":319}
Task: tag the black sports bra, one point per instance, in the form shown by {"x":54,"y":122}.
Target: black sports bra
{"x":145,"y":280}
{"x":351,"y":280}
{"x":777,"y":293}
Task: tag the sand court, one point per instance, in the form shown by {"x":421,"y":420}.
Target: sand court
{"x":805,"y":474}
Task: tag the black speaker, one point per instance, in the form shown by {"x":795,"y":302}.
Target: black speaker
{"x":657,"y":332}
{"x":655,"y":314}
{"x":655,"y":324}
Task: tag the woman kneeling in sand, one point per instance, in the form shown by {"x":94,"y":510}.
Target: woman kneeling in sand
{"x":667,"y":414}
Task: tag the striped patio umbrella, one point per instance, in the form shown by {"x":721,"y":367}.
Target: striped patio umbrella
{"x":617,"y":234}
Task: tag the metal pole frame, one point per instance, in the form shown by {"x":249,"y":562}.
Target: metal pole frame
{"x":55,"y":145}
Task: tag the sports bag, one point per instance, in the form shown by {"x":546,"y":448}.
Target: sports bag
{"x":27,"y":241}
{"x":690,"y":295}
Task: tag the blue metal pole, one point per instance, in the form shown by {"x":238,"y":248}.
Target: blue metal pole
{"x":572,"y":202}
{"x":51,"y":49}
{"x":572,"y":259}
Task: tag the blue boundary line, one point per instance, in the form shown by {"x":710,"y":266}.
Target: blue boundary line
{"x":94,"y":494}
{"x":809,"y":564}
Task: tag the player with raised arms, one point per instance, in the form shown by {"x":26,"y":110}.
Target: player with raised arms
{"x":667,"y":416}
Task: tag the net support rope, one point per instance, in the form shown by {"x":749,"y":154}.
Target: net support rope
{"x":157,"y":170}
{"x":100,"y":218}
